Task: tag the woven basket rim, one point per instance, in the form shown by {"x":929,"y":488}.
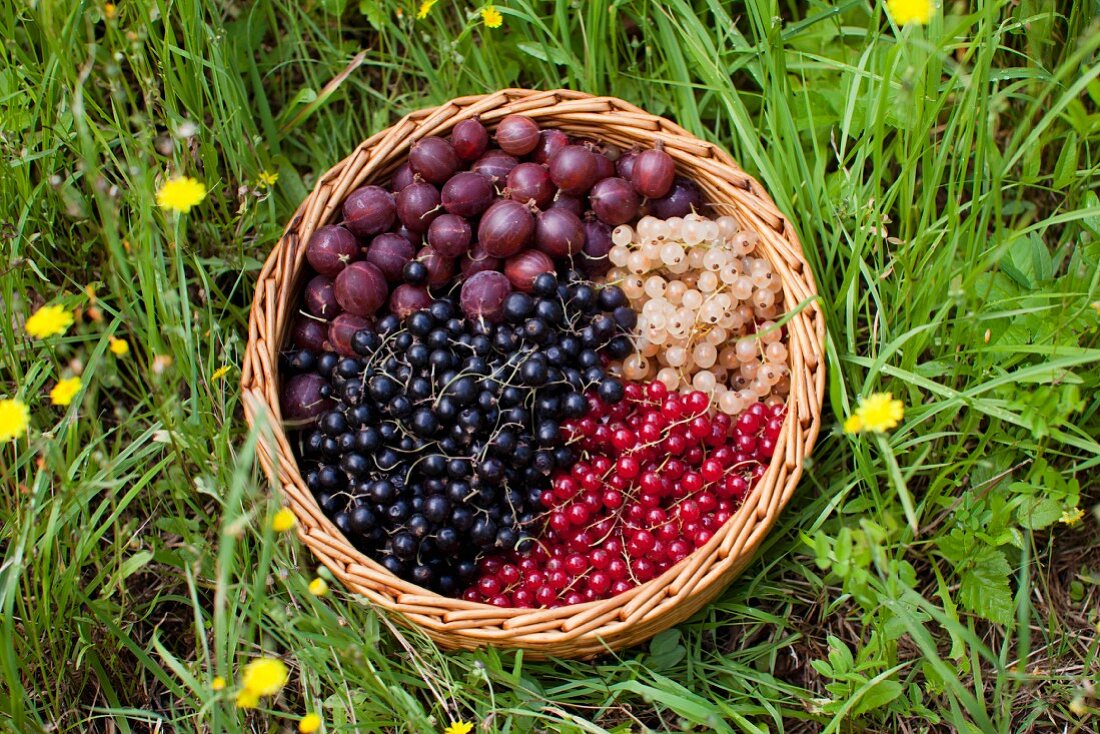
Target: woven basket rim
{"x":586,"y":629}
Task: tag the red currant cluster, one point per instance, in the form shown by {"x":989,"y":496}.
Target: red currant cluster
{"x":659,"y":474}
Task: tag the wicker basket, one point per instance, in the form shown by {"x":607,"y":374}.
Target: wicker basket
{"x":582,"y":630}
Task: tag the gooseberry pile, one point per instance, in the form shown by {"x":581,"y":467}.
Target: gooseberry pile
{"x":483,"y":387}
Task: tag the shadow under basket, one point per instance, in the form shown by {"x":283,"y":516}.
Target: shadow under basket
{"x":581,"y":630}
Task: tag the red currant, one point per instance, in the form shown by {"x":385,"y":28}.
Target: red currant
{"x":627,"y":466}
{"x":712,"y":470}
{"x":656,"y":391}
{"x":576,"y":564}
{"x":489,"y":585}
{"x":599,"y":582}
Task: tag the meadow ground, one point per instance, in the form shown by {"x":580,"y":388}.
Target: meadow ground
{"x":942,"y":577}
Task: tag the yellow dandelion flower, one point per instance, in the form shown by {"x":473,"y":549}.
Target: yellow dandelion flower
{"x":879,"y":412}
{"x":220,"y":372}
{"x":1096,"y":307}
{"x":119,"y":347}
{"x":180,"y":194}
{"x":49,"y":321}
{"x":109,"y":11}
{"x":284,"y":520}
{"x":853,"y":424}
{"x":309,"y":723}
{"x":265,"y":676}
{"x":491,"y":17}
{"x":911,"y":11}
{"x":425,"y":8}
{"x":218,"y":683}
{"x":318,"y":587}
{"x":65,"y":390}
{"x":246,"y":699}
{"x":14,"y":419}
{"x":1072,"y":517}
{"x":267,"y":179}
{"x":459,"y":727}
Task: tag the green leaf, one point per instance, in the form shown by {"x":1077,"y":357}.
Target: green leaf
{"x":984,"y":586}
{"x":375,"y":13}
{"x":1092,"y":223}
{"x":665,"y":650}
{"x":954,"y":547}
{"x":304,"y":96}
{"x":129,"y":567}
{"x":1037,"y":513}
{"x":667,"y":693}
{"x":842,"y":551}
{"x":1066,"y":167}
{"x":839,"y":655}
{"x":821,"y":547}
{"x":545,"y":53}
{"x":878,"y":695}
{"x":1041,"y":263}
{"x":1027,"y":261}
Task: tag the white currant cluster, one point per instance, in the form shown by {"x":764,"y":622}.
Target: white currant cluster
{"x":707,"y":309}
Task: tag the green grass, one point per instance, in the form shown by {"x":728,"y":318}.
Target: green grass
{"x":943,"y":180}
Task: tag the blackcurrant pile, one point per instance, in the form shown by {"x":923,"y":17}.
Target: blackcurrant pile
{"x":434,"y":441}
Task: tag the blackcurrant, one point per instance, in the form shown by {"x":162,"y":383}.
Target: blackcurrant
{"x":362,"y":519}
{"x":533,"y":372}
{"x":356,"y":465}
{"x":588,"y":358}
{"x":620,"y":347}
{"x":398,"y":511}
{"x":573,"y":405}
{"x":462,"y":518}
{"x":625,"y":318}
{"x":400,"y":406}
{"x":415,"y":273}
{"x":326,"y":362}
{"x":434,"y":465}
{"x":546,"y":285}
{"x":333,"y":423}
{"x":550,"y":311}
{"x":382,"y":388}
{"x":458,"y":468}
{"x":383,"y":492}
{"x":611,"y":390}
{"x":611,"y":297}
{"x":518,"y":306}
{"x":404,"y":545}
{"x":424,"y":423}
{"x":388,"y":324}
{"x":301,"y":360}
{"x":437,"y":509}
{"x":418,"y":525}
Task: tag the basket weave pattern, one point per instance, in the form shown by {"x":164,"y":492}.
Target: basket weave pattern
{"x":581,"y":630}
